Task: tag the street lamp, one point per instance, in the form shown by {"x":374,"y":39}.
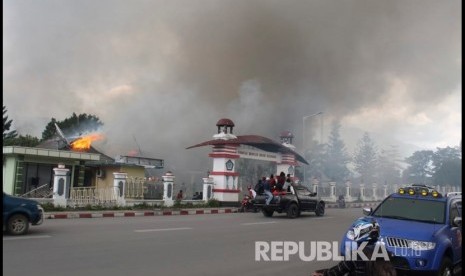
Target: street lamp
{"x":303,"y":135}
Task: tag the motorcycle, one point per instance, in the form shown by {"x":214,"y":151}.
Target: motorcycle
{"x":341,"y":201}
{"x":247,"y":205}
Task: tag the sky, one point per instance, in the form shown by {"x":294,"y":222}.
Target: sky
{"x":160,"y":74}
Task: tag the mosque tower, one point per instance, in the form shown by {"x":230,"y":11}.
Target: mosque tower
{"x":287,"y":163}
{"x":224,"y":175}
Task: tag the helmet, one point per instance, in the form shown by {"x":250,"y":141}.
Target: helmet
{"x":363,"y":229}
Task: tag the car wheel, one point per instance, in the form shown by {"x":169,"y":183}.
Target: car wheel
{"x":293,"y":211}
{"x":267,"y":213}
{"x":446,"y":267}
{"x":18,"y":225}
{"x":320,"y":209}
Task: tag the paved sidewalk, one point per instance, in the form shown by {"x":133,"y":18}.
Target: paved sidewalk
{"x":144,"y":213}
{"x":135,"y":213}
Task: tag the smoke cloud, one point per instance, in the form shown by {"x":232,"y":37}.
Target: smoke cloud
{"x":164,"y":72}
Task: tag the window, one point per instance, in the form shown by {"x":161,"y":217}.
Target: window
{"x":430,"y":211}
{"x":36,"y":175}
{"x":455,"y":210}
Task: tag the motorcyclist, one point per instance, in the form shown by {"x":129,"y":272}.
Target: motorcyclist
{"x":247,"y":201}
{"x":252,"y":193}
{"x":341,"y":201}
{"x":362,"y":231}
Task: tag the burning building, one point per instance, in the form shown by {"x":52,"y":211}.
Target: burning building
{"x":27,"y":169}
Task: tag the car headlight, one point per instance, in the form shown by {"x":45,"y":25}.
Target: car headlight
{"x":350,"y":235}
{"x":421,"y":245}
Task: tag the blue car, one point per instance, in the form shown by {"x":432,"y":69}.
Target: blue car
{"x":18,"y":213}
{"x":421,"y":228}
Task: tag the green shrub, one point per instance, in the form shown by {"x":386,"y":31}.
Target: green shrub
{"x":49,"y":207}
{"x":142,"y":206}
{"x":213,"y":203}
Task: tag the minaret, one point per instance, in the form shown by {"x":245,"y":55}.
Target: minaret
{"x":224,"y":175}
{"x":287,"y":163}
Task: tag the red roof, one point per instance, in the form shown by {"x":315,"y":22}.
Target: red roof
{"x":225,"y":122}
{"x":257,"y":141}
{"x":287,"y":134}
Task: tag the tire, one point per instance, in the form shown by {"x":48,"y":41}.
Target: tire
{"x":446,"y":267}
{"x":267,"y":213}
{"x":293,"y":211}
{"x":320,"y":209}
{"x":18,"y":224}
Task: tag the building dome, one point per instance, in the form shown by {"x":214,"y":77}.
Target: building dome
{"x":225,"y":122}
{"x":286,"y":134}
{"x":286,"y":138}
{"x":224,"y":126}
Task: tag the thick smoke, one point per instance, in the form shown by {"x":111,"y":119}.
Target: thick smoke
{"x":164,"y":72}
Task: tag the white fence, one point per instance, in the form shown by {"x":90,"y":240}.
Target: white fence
{"x":82,"y":196}
{"x":139,"y":188}
{"x":136,"y":189}
{"x":370,"y":192}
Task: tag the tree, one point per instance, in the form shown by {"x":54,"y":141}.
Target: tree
{"x":447,"y":164}
{"x":365,"y":159}
{"x":450,"y":173}
{"x":315,"y":158}
{"x":7,"y":134}
{"x":336,"y":157}
{"x":22,"y":141}
{"x":420,"y":168}
{"x":389,"y":170}
{"x":74,"y":126}
{"x":444,"y":154}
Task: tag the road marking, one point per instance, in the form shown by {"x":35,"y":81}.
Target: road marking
{"x":26,"y":238}
{"x":322,"y":218}
{"x":255,"y":223}
{"x":162,"y":229}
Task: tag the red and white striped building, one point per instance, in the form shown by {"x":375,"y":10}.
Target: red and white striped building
{"x":222,"y":183}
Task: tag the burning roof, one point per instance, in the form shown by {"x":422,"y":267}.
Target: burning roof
{"x":83,"y":143}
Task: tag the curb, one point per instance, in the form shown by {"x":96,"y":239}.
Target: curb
{"x":353,"y":205}
{"x":110,"y":214}
{"x":116,"y":214}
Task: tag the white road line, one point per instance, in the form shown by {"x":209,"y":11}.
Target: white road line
{"x":162,"y":229}
{"x":255,"y":223}
{"x":26,"y":238}
{"x":322,"y":218}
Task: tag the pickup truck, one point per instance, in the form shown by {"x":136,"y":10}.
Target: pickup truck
{"x":295,"y":200}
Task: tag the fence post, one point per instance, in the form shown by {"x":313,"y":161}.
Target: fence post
{"x":60,"y":186}
{"x":375,"y":196}
{"x":119,"y":187}
{"x":207,"y":188}
{"x":362,"y":192}
{"x":315,"y":185}
{"x":168,"y":187}
{"x":332,"y":191}
{"x":348,"y":197}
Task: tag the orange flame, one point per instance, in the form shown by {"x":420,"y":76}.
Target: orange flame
{"x":83,"y":143}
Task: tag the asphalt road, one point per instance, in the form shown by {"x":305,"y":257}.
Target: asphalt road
{"x":216,"y":244}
